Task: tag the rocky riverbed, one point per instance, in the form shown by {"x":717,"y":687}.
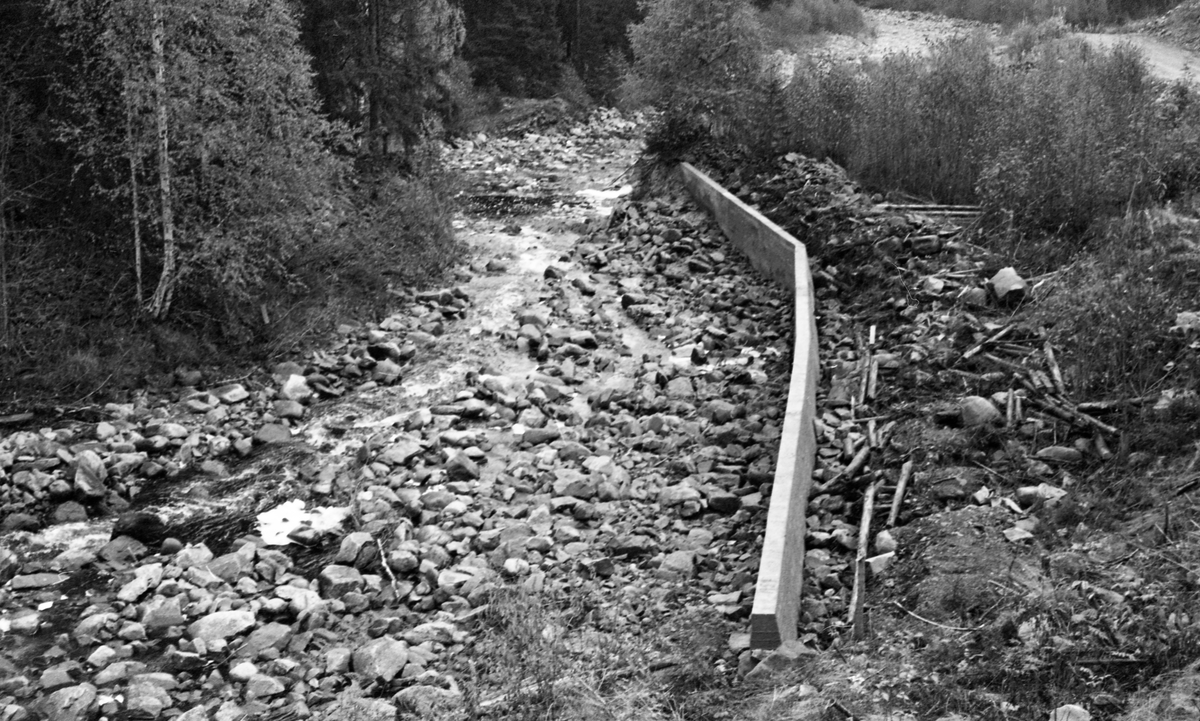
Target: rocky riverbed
{"x":592,"y":411}
{"x":540,"y":491}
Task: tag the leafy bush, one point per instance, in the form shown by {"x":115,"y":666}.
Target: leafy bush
{"x":1114,"y":309}
{"x":1075,"y":140}
{"x":920,"y":120}
{"x":786,"y":23}
{"x":1011,"y":12}
{"x":1047,"y":140}
{"x":694,"y":59}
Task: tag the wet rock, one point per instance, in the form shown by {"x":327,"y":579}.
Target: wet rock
{"x":221,"y":625}
{"x":57,"y":676}
{"x":355,"y":707}
{"x":382,"y":658}
{"x":633,"y":546}
{"x":146,"y":699}
{"x":386,"y":372}
{"x":879,"y":564}
{"x":122,"y":549}
{"x":90,"y":475}
{"x":243,"y":672}
{"x":295,"y":388}
{"x":291,"y":410}
{"x":142,"y":526}
{"x":352,"y":548}
{"x":145,"y":578}
{"x":402,"y":451}
{"x":460,"y":467}
{"x":1070,"y":712}
{"x":429,"y":702}
{"x":20,"y":522}
{"x":74,"y":703}
{"x":719,"y":411}
{"x":161,"y":613}
{"x":724,"y":502}
{"x":12,"y":712}
{"x":1007,"y":286}
{"x":36,"y":580}
{"x":232,"y":393}
{"x":1059,"y":454}
{"x":976,"y":411}
{"x":678,"y":564}
{"x":263,"y":686}
{"x":232,"y":566}
{"x":680,"y":388}
{"x":273,"y":433}
{"x":336,"y":581}
{"x":272,"y":635}
{"x":782,"y":660}
{"x":678,"y":495}
{"x":538,"y":436}
{"x":885,"y":542}
{"x":436,"y":631}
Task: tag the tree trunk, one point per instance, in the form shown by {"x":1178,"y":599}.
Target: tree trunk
{"x":374,"y":111}
{"x":133,"y":185}
{"x":7,"y":131}
{"x":4,"y":330}
{"x":161,"y":302}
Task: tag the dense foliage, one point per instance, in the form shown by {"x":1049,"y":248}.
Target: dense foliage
{"x":170,"y":184}
{"x":390,"y":68}
{"x":538,"y":47}
{"x":694,"y":59}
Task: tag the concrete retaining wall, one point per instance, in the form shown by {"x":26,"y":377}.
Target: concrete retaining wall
{"x":783,"y":259}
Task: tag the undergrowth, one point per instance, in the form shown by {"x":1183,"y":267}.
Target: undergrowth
{"x":785,"y":25}
{"x":1114,"y":308}
{"x":1011,"y":12}
{"x":75,"y":335}
{"x":1046,"y":139}
{"x":536,"y":658}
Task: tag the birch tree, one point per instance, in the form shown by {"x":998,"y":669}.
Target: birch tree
{"x":207,"y":106}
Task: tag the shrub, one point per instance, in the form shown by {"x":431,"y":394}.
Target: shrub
{"x":1012,"y":12}
{"x":786,"y":23}
{"x":920,"y":118}
{"x":694,"y":59}
{"x":1048,"y":139}
{"x":1074,"y":140}
{"x":1113,"y":310}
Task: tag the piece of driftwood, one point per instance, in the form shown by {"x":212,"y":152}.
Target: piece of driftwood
{"x":1114,"y":405}
{"x":872,"y":378}
{"x":906,"y":471}
{"x":857,"y":463}
{"x":978,"y":347}
{"x":1055,"y":371}
{"x":859,"y":594}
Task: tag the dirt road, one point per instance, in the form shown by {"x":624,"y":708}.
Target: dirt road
{"x":1165,"y":60}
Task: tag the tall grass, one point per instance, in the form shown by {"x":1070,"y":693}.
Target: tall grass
{"x":786,"y":24}
{"x":1049,"y":138}
{"x":1011,"y":12}
{"x":1113,"y":307}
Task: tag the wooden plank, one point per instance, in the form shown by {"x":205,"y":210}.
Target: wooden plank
{"x":780,"y":257}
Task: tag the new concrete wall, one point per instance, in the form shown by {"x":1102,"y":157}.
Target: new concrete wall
{"x":783,"y":259}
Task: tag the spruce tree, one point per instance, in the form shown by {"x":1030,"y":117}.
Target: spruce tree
{"x":514,"y":46}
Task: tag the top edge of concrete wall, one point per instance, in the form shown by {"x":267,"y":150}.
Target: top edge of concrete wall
{"x":784,"y":260}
